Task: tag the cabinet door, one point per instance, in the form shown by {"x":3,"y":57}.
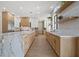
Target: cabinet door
{"x":26,"y":44}
{"x":5,"y":21}
{"x":57,"y":45}
{"x":77,"y":46}
{"x":49,"y":38}
{"x":52,"y":41}
{"x":55,"y":42}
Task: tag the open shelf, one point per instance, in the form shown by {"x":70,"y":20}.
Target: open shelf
{"x":66,"y":19}
{"x":64,"y":6}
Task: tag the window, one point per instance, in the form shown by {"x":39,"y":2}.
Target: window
{"x":54,"y":22}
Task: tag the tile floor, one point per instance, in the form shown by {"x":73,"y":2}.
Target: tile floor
{"x":40,"y":48}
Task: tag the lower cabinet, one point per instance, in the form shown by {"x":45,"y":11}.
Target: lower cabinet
{"x":64,"y":46}
{"x":77,"y":41}
{"x":67,"y":46}
{"x":27,"y":42}
{"x":57,"y":45}
{"x":54,"y":42}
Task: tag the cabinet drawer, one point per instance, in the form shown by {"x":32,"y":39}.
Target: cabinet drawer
{"x":53,"y":42}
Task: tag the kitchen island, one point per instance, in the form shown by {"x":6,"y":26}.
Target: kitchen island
{"x":16,"y":44}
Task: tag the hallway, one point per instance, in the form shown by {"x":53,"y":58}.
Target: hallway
{"x":40,"y":48}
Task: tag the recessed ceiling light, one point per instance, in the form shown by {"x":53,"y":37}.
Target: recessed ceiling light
{"x":38,"y":7}
{"x":38,"y":12}
{"x":51,"y":7}
{"x":4,"y":9}
{"x":20,"y":8}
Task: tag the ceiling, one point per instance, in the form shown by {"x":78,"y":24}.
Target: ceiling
{"x":29,"y":8}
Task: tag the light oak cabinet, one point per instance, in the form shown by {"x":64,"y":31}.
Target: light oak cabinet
{"x":54,"y":42}
{"x":27,"y":42}
{"x":77,"y":42}
{"x":57,"y":44}
{"x":7,"y":21}
{"x":64,"y":46}
{"x":25,"y":21}
{"x":4,"y":22}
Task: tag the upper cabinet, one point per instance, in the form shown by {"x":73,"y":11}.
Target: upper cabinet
{"x":25,"y":21}
{"x":7,"y":21}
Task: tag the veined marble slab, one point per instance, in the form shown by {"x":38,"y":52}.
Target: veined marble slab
{"x":11,"y":43}
{"x":0,"y":44}
{"x":65,"y":33}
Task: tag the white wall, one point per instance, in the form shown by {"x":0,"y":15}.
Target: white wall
{"x":73,"y":25}
{"x":34,"y":22}
{"x":16,"y":22}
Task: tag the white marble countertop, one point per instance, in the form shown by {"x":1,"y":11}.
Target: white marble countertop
{"x":26,"y":33}
{"x":22,"y":33}
{"x":65,"y":33}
